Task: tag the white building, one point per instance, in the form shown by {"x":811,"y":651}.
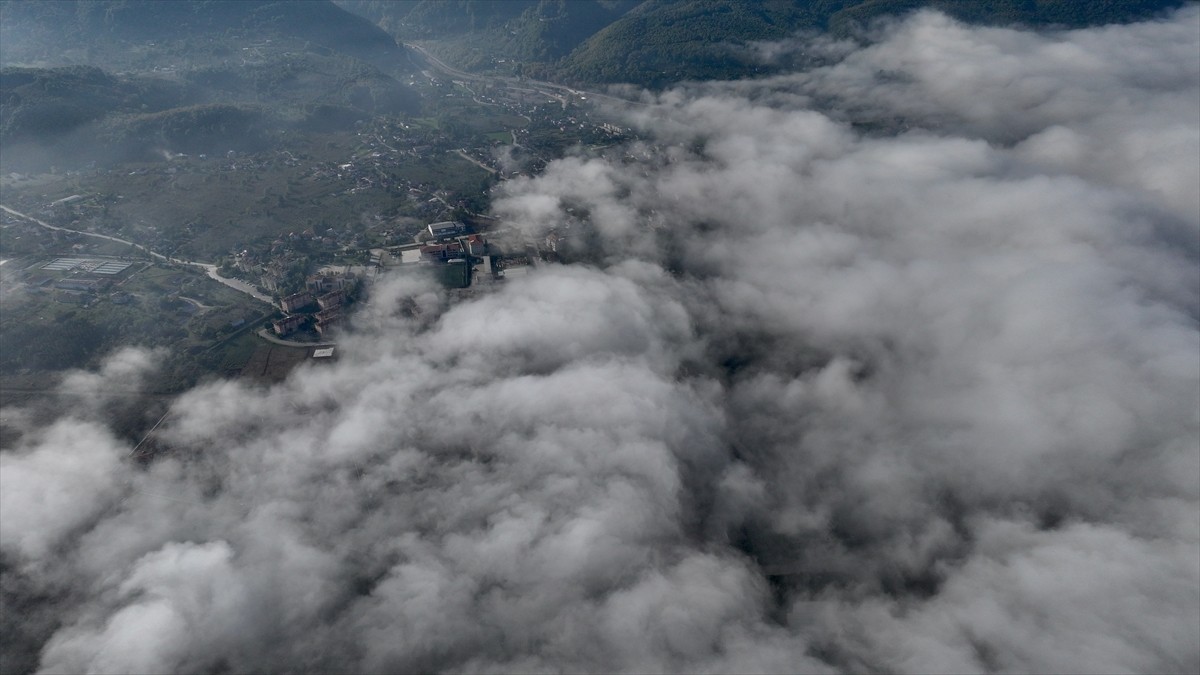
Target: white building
{"x":446,"y":228}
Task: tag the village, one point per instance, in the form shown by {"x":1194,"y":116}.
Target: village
{"x":139,"y":251}
{"x":67,"y":267}
{"x":462,"y":260}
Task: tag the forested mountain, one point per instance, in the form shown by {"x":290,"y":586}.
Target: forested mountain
{"x":655,"y":42}
{"x":484,"y":34}
{"x":119,"y":79}
{"x":664,"y":41}
{"x":105,"y":31}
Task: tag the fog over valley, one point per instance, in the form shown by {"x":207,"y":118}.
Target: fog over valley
{"x":886,"y":364}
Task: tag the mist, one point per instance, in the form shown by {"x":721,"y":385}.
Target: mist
{"x":919,"y":395}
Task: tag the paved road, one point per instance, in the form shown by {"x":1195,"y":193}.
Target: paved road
{"x":235,"y":284}
{"x":209,"y":269}
{"x":266,"y":335}
{"x":86,"y":234}
{"x":485,"y":167}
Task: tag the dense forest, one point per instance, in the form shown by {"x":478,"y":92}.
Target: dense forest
{"x":108,"y":30}
{"x":191,"y":77}
{"x":656,"y":42}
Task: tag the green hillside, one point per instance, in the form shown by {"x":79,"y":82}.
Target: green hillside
{"x":41,"y":103}
{"x":71,"y":115}
{"x":657,"y":42}
{"x":115,"y":79}
{"x":551,"y":29}
{"x":1065,"y":13}
{"x":83,"y":113}
{"x":485,"y":34}
{"x":112,"y":32}
{"x":663,"y":41}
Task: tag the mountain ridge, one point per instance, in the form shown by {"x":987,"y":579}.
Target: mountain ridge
{"x":657,"y":42}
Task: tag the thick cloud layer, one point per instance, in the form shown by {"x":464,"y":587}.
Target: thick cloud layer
{"x":826,"y":399}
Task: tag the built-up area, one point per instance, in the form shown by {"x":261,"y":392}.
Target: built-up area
{"x":454,"y":253}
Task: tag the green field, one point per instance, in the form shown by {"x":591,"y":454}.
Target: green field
{"x":180,"y":310}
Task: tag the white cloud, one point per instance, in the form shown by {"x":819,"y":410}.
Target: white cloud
{"x":830,"y":400}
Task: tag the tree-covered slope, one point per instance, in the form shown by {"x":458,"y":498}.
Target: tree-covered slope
{"x":477,"y":34}
{"x":38,"y":103}
{"x":664,"y":41}
{"x":655,"y":42}
{"x":1064,"y":13}
{"x":103,"y":30}
{"x":75,"y":114}
{"x":112,"y":79}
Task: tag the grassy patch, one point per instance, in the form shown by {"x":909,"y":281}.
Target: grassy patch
{"x":43,"y":334}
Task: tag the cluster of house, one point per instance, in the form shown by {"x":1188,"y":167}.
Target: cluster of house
{"x":449,"y":253}
{"x":271,"y":268}
{"x":373,"y":170}
{"x":453,"y":254}
{"x":328,"y":293}
{"x":459,"y":262}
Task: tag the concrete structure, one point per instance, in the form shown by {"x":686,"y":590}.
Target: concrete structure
{"x":438,"y":252}
{"x":288,"y":324}
{"x":327,"y":282}
{"x":323,"y":327}
{"x":476,"y":245}
{"x":446,"y":228}
{"x":514,"y":271}
{"x":485,"y":272}
{"x":92,"y":265}
{"x":295,"y":301}
{"x":331,"y":300}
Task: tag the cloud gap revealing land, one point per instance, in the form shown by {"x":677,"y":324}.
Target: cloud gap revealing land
{"x":421,"y":337}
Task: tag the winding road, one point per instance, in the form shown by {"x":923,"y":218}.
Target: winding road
{"x":209,"y":268}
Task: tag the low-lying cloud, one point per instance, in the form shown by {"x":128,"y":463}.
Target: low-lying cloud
{"x":915,"y":395}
